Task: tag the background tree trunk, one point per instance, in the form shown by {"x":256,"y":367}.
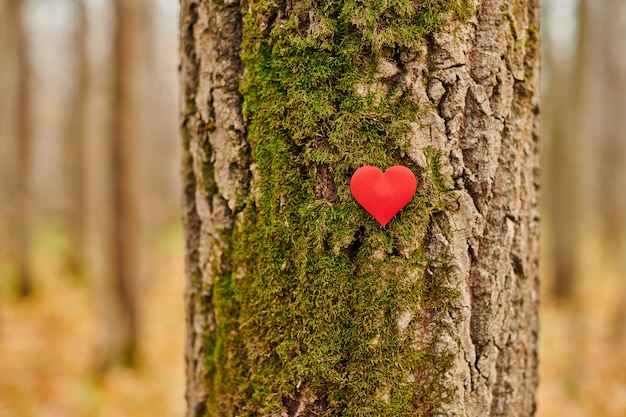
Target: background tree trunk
{"x":15,"y":137}
{"x":612,"y":172}
{"x":75,"y":144}
{"x":612,"y":181}
{"x":131,"y":30}
{"x":563,"y":149}
{"x":299,"y":303}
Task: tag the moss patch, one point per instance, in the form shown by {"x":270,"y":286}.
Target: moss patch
{"x":312,"y":306}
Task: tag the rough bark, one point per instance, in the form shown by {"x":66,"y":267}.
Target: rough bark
{"x":298,"y":304}
{"x":212,"y":104}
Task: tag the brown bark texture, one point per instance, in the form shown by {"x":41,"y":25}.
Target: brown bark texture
{"x":475,"y":82}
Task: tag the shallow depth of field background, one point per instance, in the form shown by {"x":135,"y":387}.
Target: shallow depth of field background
{"x":62,"y":350}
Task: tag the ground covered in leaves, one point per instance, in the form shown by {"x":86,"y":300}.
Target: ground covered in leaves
{"x":49,"y":342}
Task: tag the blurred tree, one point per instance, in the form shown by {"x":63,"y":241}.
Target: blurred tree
{"x":131,"y":23}
{"x":15,"y":139}
{"x":612,"y":181}
{"x":612,"y":178}
{"x":298,"y":303}
{"x":75,"y":140}
{"x":563,"y":104}
{"x":560,"y":191}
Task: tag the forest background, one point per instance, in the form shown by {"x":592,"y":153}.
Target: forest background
{"x":76,"y":340}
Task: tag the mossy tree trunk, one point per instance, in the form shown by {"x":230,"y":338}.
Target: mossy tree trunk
{"x":299,"y":303}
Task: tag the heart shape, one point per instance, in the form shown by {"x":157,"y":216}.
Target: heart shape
{"x":383,"y":195}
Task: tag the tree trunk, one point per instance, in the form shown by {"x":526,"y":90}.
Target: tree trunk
{"x":15,"y":132}
{"x":563,"y":149}
{"x":75,"y":165}
{"x":613,"y":173}
{"x":299,"y":303}
{"x":130,"y":25}
{"x":612,"y":201}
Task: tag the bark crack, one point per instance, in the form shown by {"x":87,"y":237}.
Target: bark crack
{"x":493,"y":161}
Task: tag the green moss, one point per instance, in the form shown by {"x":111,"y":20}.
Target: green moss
{"x":311,"y":306}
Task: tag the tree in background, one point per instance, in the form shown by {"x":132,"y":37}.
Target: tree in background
{"x":298,"y":302}
{"x":75,"y":140}
{"x":129,"y":48}
{"x":562,"y":150}
{"x":611,"y":185}
{"x":15,"y":140}
{"x":612,"y":178}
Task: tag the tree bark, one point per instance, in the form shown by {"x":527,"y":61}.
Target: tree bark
{"x":298,"y":302}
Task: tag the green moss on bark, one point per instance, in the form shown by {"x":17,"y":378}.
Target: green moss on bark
{"x":310,"y":312}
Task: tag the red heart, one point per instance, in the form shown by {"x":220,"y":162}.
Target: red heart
{"x":383,"y":195}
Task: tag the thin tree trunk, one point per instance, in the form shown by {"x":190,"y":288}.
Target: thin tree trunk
{"x":563,"y":150}
{"x":16,"y":109}
{"x":75,"y":141}
{"x":561,"y":189}
{"x":613,"y":174}
{"x":129,"y":29}
{"x":299,"y":303}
